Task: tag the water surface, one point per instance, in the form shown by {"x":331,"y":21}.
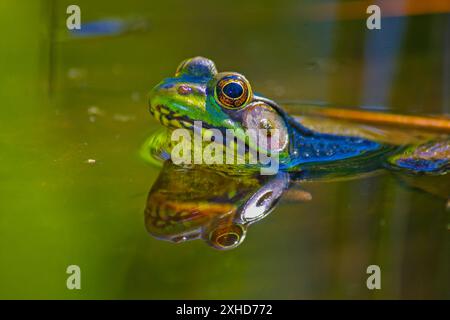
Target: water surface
{"x":73,"y":188}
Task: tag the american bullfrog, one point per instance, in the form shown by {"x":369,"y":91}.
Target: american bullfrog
{"x":217,"y":204}
{"x":225,"y":100}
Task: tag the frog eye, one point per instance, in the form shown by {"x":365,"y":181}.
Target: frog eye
{"x":233,"y":91}
{"x":225,"y":237}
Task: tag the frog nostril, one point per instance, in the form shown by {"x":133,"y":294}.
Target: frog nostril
{"x":184,"y":89}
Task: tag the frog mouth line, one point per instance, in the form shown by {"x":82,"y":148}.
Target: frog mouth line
{"x":164,"y":213}
{"x":175,"y":120}
{"x":181,"y":222}
{"x":164,"y":223}
{"x":172,"y":119}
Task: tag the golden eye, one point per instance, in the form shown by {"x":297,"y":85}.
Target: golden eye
{"x":233,"y":91}
{"x":227,"y":237}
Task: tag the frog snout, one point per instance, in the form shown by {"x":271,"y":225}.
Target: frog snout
{"x":156,"y":96}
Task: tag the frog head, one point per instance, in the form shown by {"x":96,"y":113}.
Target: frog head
{"x":219,"y":100}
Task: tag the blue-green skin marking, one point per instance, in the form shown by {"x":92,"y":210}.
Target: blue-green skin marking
{"x":190,"y":96}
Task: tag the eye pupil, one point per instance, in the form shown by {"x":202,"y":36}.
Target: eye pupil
{"x":233,"y":90}
{"x":228,"y":239}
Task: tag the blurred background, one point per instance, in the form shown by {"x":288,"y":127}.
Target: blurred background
{"x":68,"y":97}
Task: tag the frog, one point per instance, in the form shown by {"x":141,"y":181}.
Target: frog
{"x":226,"y":101}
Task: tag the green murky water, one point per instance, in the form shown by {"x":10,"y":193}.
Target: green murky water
{"x":66,"y":101}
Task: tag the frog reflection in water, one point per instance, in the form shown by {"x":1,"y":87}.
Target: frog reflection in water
{"x":308,"y":149}
{"x":188,"y":203}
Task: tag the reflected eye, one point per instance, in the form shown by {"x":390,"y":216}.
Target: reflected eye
{"x":224,"y":237}
{"x":227,"y":239}
{"x":233,"y":91}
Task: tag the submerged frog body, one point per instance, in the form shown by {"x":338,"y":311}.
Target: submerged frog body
{"x":225,"y":100}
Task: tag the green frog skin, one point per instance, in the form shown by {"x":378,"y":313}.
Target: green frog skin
{"x":225,"y":100}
